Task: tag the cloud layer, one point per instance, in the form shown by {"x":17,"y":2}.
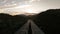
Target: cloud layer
{"x":35,"y":6}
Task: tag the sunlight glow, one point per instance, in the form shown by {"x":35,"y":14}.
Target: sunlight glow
{"x":20,"y":8}
{"x":25,"y":8}
{"x":29,"y":10}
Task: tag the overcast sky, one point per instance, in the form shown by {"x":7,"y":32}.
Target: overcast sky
{"x":27,"y":6}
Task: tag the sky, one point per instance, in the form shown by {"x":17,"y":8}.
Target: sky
{"x":27,"y":6}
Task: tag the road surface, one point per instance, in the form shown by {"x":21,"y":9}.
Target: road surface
{"x":29,"y":28}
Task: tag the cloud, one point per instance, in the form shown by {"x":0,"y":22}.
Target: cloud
{"x":34,"y":5}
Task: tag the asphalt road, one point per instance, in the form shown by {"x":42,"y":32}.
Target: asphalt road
{"x":36,"y":29}
{"x":29,"y":25}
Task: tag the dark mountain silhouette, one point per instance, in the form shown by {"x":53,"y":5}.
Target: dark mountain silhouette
{"x":5,"y":22}
{"x":48,"y":21}
{"x":10,"y":24}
